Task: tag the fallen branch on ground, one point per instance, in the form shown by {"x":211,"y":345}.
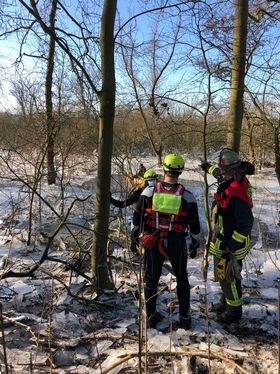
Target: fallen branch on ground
{"x":183,"y":352}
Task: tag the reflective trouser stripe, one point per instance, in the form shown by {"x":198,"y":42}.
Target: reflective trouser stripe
{"x":234,"y":299}
{"x":234,"y":302}
{"x":237,"y":300}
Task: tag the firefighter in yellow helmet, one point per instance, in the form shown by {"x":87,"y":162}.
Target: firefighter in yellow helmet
{"x":150,"y":178}
{"x":165,"y":211}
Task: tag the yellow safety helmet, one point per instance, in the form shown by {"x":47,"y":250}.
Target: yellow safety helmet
{"x":173,"y":162}
{"x":149,"y":175}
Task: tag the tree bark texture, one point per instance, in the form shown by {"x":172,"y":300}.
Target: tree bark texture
{"x":105,"y":145}
{"x":237,"y":75}
{"x":277,"y":151}
{"x":50,"y":125}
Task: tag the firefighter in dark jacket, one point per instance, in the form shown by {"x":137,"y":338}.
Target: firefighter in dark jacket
{"x":232,"y":224}
{"x":149,"y":177}
{"x":165,"y":211}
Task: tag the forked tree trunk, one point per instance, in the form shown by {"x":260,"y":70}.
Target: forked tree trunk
{"x":237,"y":75}
{"x":105,"y":144}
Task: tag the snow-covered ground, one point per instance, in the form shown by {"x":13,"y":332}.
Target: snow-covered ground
{"x":54,"y":321}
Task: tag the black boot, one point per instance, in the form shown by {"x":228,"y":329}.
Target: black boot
{"x":153,"y":317}
{"x":185,"y":322}
{"x":220,"y":307}
{"x":150,"y":300}
{"x":153,"y":320}
{"x":230,"y":316}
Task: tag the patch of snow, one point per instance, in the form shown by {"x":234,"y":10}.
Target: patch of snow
{"x":270,"y":292}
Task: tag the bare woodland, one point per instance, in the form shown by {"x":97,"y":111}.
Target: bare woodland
{"x":97,"y":87}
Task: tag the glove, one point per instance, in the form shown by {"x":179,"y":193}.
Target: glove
{"x":225,"y":255}
{"x":233,"y":270}
{"x":133,"y":246}
{"x":246,"y":168}
{"x":193,"y":250}
{"x":233,"y":245}
{"x":221,"y":268}
{"x":134,"y":236}
{"x":205,"y":165}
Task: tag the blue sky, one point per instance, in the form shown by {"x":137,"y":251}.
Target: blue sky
{"x":9,"y":52}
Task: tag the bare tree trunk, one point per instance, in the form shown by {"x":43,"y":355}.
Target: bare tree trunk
{"x":107,"y":111}
{"x":277,"y":151}
{"x":237,"y":75}
{"x":159,"y":156}
{"x":49,"y":105}
{"x":250,"y":126}
{"x":105,"y":145}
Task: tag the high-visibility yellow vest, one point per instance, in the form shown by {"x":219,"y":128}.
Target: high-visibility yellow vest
{"x":165,"y":209}
{"x":166,"y":202}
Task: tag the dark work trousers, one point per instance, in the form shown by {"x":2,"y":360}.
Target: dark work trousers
{"x":176,"y":251}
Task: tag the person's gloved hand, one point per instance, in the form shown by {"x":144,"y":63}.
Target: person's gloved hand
{"x":133,"y":246}
{"x":134,"y":237}
{"x":233,"y":245}
{"x":221,"y":268}
{"x":193,"y":250}
{"x":205,"y":165}
{"x":226,"y":255}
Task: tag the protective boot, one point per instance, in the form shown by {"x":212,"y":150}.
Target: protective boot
{"x":185,"y":322}
{"x":230,"y":316}
{"x":153,"y":320}
{"x":220,"y":307}
{"x":151,"y":300}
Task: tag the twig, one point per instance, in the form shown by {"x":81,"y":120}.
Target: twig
{"x":22,"y":325}
{"x":183,"y":352}
{"x":44,"y":256}
{"x":70,"y":266}
{"x":44,"y":200}
{"x":207,"y":325}
{"x":278,"y":280}
{"x":119,"y":259}
{"x":76,"y":297}
{"x":3,"y":340}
